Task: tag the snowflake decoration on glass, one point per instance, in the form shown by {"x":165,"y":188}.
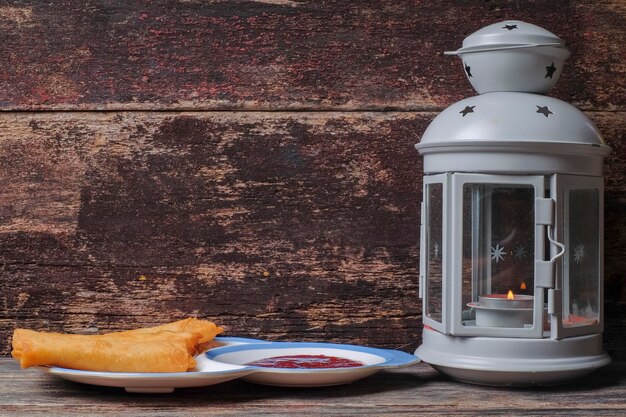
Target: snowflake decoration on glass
{"x":579,"y":253}
{"x":436,"y":250}
{"x":520,"y":252}
{"x":497,"y":253}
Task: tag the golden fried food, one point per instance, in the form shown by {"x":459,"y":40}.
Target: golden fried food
{"x":206,"y":328}
{"x":166,"y":348}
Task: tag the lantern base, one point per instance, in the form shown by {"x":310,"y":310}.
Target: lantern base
{"x":511,"y":361}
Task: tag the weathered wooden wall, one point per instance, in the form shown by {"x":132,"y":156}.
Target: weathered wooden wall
{"x":251,"y":161}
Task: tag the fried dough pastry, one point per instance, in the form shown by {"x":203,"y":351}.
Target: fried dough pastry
{"x":166,"y":348}
{"x":206,"y":328}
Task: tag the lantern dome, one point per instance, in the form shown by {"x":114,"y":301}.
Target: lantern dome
{"x":530,"y":133}
{"x":508,"y":117}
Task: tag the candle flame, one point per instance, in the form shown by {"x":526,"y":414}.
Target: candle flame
{"x":523,"y":286}
{"x":510,"y":295}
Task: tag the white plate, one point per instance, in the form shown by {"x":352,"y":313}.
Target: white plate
{"x":227,"y":361}
{"x":208,"y":373}
{"x":373,"y":359}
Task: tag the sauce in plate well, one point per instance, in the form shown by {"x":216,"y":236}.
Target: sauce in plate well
{"x":306,"y":362}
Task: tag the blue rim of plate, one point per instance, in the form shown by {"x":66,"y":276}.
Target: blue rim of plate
{"x":393,"y":358}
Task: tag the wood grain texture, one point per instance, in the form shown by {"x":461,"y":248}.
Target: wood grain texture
{"x":287,"y":226}
{"x":282,"y":54}
{"x":417,"y":390}
{"x":297,"y":226}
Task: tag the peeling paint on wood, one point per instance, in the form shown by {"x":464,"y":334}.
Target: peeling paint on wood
{"x":277,"y":225}
{"x":282,"y":54}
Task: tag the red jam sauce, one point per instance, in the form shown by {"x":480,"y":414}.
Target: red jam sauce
{"x":306,"y":362}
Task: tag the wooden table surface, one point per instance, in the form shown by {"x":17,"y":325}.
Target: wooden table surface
{"x":411,"y":391}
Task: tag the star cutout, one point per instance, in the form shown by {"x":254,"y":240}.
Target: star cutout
{"x":544,"y":110}
{"x":467,"y":69}
{"x":467,"y":109}
{"x":510,"y":27}
{"x":550,"y":70}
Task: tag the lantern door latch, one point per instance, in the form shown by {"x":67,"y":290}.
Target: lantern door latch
{"x":545,"y":270}
{"x":544,"y":211}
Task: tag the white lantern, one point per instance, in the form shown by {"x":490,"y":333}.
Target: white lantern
{"x":511,"y":271}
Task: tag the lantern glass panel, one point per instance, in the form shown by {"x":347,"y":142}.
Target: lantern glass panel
{"x":498,"y":246}
{"x":582,"y":260}
{"x":434,"y":240}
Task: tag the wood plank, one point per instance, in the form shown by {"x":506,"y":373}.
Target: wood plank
{"x":282,"y":54}
{"x":128,"y":188}
{"x":277,"y":225}
{"x":417,"y":389}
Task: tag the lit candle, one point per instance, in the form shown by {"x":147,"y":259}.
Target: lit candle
{"x":504,"y":310}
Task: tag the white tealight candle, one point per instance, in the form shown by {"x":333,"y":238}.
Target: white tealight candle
{"x":502,"y":310}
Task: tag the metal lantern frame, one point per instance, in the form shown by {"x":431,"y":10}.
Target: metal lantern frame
{"x":543,"y":160}
{"x":549,"y":274}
